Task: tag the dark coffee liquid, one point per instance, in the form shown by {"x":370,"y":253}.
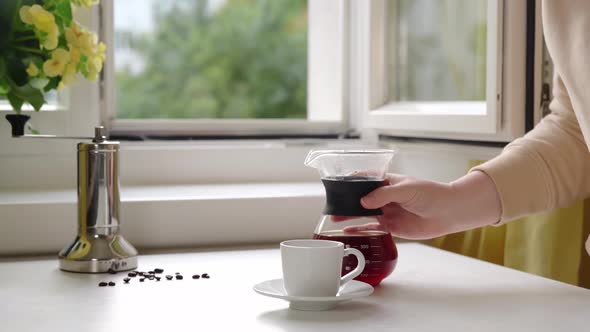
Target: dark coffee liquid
{"x":344,"y":193}
{"x":378,"y":248}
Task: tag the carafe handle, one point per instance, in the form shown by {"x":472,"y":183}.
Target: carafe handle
{"x":359,"y":268}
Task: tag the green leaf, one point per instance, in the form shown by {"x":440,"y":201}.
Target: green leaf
{"x":2,"y":67}
{"x":4,"y":86}
{"x":15,"y":101}
{"x":29,"y":94}
{"x":39,"y":83}
{"x":52,"y":85}
{"x":64,"y":10}
{"x":32,"y":129}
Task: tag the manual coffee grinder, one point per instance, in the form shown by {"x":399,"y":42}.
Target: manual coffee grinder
{"x":99,"y":246}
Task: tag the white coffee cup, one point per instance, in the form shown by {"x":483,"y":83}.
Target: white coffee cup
{"x":313,"y":267}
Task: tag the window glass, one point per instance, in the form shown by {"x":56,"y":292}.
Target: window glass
{"x":438,"y":50}
{"x":236,"y":59}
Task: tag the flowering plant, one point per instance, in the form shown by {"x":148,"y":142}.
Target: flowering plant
{"x":42,"y":48}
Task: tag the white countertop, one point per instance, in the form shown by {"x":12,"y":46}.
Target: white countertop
{"x":430,"y":290}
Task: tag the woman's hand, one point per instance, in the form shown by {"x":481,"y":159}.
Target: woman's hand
{"x":421,"y":209}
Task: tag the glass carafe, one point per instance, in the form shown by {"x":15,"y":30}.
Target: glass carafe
{"x":348,"y":175}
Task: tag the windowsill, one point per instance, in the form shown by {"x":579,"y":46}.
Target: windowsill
{"x":168,"y":216}
{"x":199,"y":192}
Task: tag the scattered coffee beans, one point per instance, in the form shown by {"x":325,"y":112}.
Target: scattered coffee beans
{"x":150,"y":275}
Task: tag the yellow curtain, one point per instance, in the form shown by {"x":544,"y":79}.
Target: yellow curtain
{"x":550,"y":244}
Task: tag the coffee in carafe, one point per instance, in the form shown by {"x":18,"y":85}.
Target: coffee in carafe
{"x":349,"y":175}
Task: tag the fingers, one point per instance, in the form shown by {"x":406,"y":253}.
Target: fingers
{"x":388,"y":194}
{"x":393,"y":178}
{"x":345,"y":218}
{"x":340,"y":218}
{"x":366,"y":227}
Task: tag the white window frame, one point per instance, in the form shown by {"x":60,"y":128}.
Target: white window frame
{"x":326,"y":85}
{"x":502,"y":118}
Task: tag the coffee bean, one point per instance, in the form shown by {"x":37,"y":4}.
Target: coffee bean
{"x":158,"y":278}
{"x":178,"y":277}
{"x":159,"y":271}
{"x":205,"y":275}
{"x":177,"y":273}
{"x":142,"y":280}
{"x":132,"y":274}
{"x":152,"y":272}
{"x":196,"y":276}
{"x":102,"y":284}
{"x":111,"y":283}
{"x":126,"y":280}
{"x":169,"y":277}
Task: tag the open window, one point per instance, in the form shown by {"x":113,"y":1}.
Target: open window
{"x":446,"y":69}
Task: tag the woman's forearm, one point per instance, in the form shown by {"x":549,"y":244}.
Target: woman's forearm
{"x":477,"y":202}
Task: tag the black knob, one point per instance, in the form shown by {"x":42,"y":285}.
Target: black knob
{"x":18,"y":122}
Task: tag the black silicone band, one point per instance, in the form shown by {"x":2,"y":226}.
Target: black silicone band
{"x":343,"y":196}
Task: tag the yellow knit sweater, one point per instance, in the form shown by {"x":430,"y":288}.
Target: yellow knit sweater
{"x":550,"y":166}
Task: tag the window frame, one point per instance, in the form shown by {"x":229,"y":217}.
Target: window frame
{"x":505,"y":91}
{"x":326,"y":104}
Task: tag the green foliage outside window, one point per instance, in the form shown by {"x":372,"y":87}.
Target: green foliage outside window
{"x":246,"y":59}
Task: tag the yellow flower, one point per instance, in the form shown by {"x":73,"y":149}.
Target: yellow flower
{"x":73,"y":33}
{"x":74,"y":54}
{"x":25,"y":14}
{"x":88,"y":42}
{"x":69,"y":75}
{"x":95,"y":63}
{"x":51,"y":41}
{"x":56,"y":65}
{"x":42,"y":19}
{"x":101,"y":51}
{"x":32,"y":70}
{"x":93,"y":67}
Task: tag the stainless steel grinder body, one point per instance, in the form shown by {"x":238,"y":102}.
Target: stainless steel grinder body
{"x":98,"y":247}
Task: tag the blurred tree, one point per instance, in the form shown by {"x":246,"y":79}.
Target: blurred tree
{"x":245,"y":59}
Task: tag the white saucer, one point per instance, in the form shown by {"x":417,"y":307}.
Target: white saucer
{"x":351,"y":290}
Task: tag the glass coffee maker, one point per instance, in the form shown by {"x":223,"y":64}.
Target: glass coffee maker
{"x":348,"y":175}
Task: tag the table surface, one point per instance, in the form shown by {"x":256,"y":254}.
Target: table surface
{"x":430,"y":290}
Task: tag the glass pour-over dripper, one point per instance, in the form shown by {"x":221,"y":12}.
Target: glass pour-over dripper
{"x":348,"y":175}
